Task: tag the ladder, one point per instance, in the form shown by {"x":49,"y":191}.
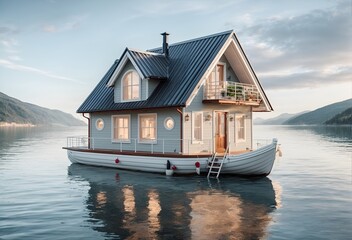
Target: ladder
{"x":215,"y":167}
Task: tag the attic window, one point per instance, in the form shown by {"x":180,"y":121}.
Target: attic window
{"x":131,"y":86}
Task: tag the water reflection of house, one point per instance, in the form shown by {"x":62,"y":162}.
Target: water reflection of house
{"x":144,"y":206}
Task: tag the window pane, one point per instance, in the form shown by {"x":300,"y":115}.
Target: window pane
{"x":125,"y":93}
{"x":240,"y":127}
{"x":135,"y":79}
{"x":127,"y":80}
{"x":135,"y":92}
{"x":131,"y":87}
{"x":197,"y":126}
{"x":147,"y":127}
{"x":121,"y":127}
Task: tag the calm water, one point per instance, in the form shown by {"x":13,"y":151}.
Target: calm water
{"x":307,"y":196}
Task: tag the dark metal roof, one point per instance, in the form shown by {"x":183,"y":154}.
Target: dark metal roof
{"x":187,"y":63}
{"x":151,"y":65}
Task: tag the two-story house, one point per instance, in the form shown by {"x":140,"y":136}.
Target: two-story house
{"x":173,"y":104}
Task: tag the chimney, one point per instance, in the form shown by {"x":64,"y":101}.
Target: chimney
{"x":165,"y":44}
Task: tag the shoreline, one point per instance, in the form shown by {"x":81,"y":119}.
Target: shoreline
{"x":13,"y":124}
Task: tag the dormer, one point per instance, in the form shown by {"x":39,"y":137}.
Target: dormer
{"x":137,"y":75}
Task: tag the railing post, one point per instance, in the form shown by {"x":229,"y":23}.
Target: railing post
{"x":152,"y":148}
{"x":163,"y":146}
{"x":244,"y":94}
{"x":188,"y":146}
{"x":235,"y":91}
{"x":135,"y":145}
{"x":120,"y":146}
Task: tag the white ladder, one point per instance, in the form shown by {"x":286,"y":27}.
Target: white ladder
{"x":215,"y":167}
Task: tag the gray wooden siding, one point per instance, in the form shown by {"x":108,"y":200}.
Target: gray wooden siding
{"x":118,"y":84}
{"x":152,"y":84}
{"x":103,"y":138}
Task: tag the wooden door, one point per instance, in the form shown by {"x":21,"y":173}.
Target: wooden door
{"x":220,"y":132}
{"x":215,"y":82}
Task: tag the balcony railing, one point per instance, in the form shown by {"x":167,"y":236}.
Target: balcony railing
{"x":232,"y":92}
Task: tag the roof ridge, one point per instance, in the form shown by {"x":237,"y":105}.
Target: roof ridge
{"x":195,"y":39}
{"x":145,"y":52}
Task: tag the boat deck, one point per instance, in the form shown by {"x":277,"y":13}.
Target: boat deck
{"x":154,"y":154}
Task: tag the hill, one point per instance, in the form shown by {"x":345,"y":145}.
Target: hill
{"x":15,"y":111}
{"x":343,"y":118}
{"x":320,"y":115}
{"x":276,"y":120}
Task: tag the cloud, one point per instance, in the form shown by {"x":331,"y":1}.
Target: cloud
{"x":15,"y":58}
{"x":18,"y":67}
{"x":302,"y":51}
{"x":9,"y":45}
{"x":174,"y":7}
{"x":5,"y":30}
{"x":49,"y":28}
{"x":307,"y":79}
{"x":71,"y":24}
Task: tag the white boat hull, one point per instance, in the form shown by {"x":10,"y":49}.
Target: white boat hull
{"x":254,"y":163}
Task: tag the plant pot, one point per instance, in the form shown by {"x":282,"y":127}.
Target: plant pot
{"x":169,"y":172}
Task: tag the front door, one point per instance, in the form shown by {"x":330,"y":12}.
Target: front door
{"x":220,"y":132}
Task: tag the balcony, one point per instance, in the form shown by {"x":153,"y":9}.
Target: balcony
{"x":232,"y":93}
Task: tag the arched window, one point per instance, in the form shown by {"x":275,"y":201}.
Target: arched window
{"x":131,"y":86}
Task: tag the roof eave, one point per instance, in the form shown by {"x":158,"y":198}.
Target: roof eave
{"x":268,"y":105}
{"x":130,"y":109}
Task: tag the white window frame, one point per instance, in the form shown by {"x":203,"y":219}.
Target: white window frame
{"x":224,"y":72}
{"x":113,"y":128}
{"x":140,"y":140}
{"x":212,"y":84}
{"x":122,"y":87}
{"x":214,"y":70}
{"x":237,"y":127}
{"x":194,"y":140}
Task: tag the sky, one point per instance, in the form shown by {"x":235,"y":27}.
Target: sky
{"x":54,"y":52}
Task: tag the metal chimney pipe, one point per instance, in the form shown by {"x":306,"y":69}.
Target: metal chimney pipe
{"x":165,"y":44}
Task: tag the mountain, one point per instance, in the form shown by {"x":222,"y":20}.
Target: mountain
{"x":15,"y":111}
{"x":276,"y":120}
{"x":343,"y":118}
{"x":320,"y":115}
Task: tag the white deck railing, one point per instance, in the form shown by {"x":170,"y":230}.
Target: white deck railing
{"x":135,"y":145}
{"x":158,"y":146}
{"x":232,"y":91}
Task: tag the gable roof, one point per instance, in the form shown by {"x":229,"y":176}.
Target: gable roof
{"x":147,"y":64}
{"x":187,"y":64}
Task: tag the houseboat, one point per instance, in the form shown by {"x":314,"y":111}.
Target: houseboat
{"x":181,"y":108}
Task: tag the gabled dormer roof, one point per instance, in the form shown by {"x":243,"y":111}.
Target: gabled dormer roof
{"x":189,"y":62}
{"x":147,"y":64}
